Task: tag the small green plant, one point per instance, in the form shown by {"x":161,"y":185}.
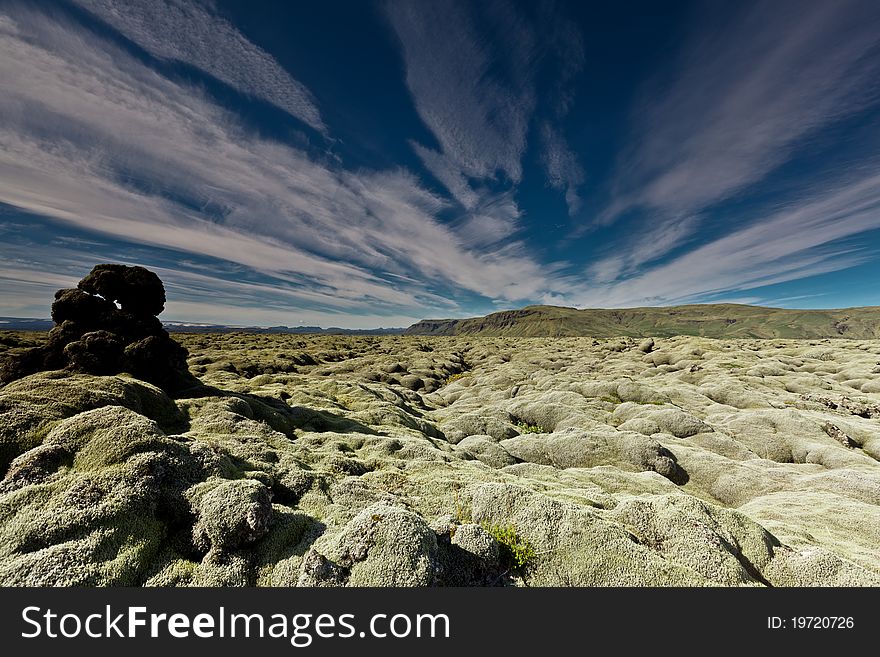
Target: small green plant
{"x":525,"y":427}
{"x":462,"y":512}
{"x":455,"y":377}
{"x":516,"y":551}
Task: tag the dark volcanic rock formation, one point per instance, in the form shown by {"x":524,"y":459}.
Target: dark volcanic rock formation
{"x":108,"y":325}
{"x":137,"y":290}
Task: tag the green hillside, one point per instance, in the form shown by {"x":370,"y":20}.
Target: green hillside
{"x":709,"y":320}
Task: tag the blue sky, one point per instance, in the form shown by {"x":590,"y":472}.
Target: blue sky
{"x":364,"y":164}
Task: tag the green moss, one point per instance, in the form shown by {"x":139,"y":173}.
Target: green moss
{"x":288,"y":536}
{"x":516,"y":551}
{"x":94,"y":529}
{"x":172,"y":570}
{"x":525,"y":427}
{"x":124,"y":472}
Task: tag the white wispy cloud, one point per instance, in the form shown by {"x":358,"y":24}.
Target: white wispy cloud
{"x":29,"y":287}
{"x":565,"y":51}
{"x":225,"y":313}
{"x":95,"y":138}
{"x":187,"y":32}
{"x":805,"y":238}
{"x":478,"y":118}
{"x":491,"y":221}
{"x":647,"y":244}
{"x":748,"y":89}
{"x":98,"y":140}
{"x":27,"y":276}
{"x":475,"y":88}
{"x":27,"y":292}
{"x":562,"y":167}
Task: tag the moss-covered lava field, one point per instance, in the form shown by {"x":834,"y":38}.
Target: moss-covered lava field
{"x":406,"y":460}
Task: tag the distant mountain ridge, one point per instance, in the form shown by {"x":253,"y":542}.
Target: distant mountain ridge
{"x":30,"y":324}
{"x":709,"y":320}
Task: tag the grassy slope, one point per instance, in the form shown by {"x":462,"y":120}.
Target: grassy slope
{"x":709,"y":320}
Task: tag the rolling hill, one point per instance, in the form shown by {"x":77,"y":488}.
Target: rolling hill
{"x":708,"y":320}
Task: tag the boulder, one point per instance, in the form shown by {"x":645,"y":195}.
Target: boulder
{"x":108,"y":325}
{"x":383,"y":545}
{"x":137,"y":290}
{"x":233,"y":514}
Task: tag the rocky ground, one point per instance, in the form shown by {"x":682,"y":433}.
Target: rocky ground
{"x":389,"y":461}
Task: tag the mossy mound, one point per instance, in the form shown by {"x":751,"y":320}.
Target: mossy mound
{"x":321,"y":461}
{"x":31,"y":406}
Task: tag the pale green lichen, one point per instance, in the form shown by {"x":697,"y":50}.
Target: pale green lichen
{"x":336,"y":460}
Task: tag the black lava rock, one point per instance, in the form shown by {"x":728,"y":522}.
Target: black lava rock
{"x":98,"y":352}
{"x":76,"y":306}
{"x":108,"y":324}
{"x":137,"y":290}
